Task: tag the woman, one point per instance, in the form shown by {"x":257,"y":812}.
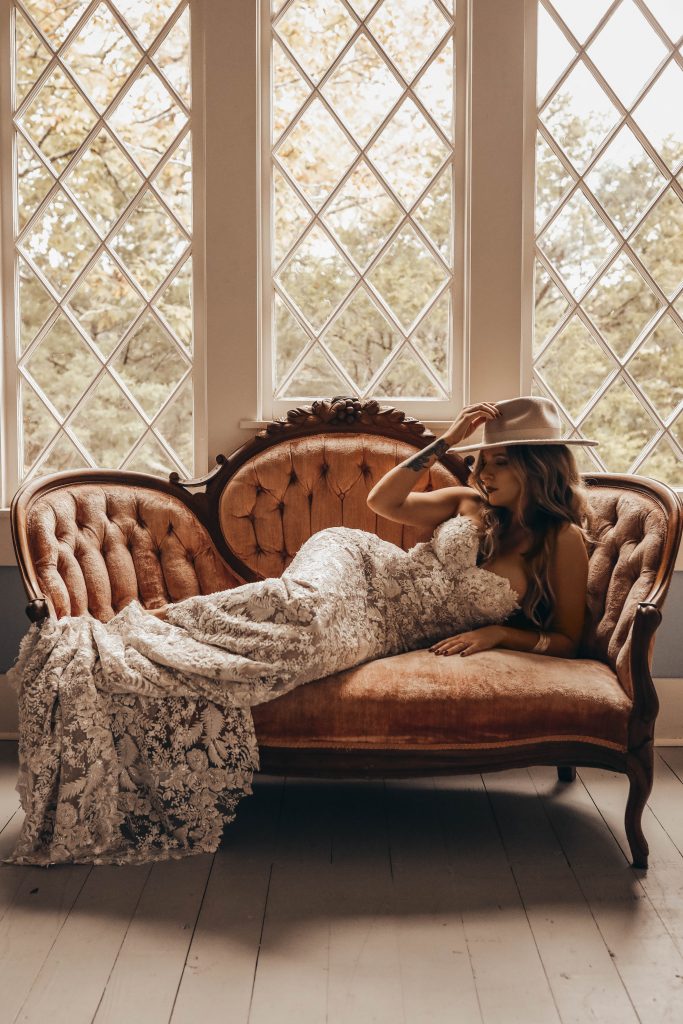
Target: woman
{"x":96,"y":782}
{"x":528,"y":504}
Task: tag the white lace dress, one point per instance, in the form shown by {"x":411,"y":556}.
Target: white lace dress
{"x":136,"y":741}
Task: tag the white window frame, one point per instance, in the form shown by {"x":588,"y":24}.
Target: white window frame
{"x":496,"y":113}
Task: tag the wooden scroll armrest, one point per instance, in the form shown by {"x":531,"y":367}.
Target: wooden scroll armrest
{"x":636,"y":662}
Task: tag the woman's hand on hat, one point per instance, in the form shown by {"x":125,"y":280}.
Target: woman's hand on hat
{"x":468,"y":419}
{"x":471,"y":642}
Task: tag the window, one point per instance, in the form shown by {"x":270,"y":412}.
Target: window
{"x":361,"y":152}
{"x":602,"y":263}
{"x":102,"y":226}
{"x":608,"y":340}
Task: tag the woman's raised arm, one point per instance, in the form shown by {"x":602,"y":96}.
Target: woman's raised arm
{"x":391,"y":496}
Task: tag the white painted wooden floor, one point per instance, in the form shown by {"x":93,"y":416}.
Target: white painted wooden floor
{"x":499,"y":899}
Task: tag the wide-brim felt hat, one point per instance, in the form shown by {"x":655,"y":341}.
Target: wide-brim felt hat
{"x":525,"y":420}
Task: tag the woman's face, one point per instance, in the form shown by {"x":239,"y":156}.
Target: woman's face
{"x":501,"y":484}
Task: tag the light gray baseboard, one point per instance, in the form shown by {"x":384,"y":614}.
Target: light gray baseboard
{"x":669,"y":730}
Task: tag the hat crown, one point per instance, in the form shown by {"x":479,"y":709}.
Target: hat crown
{"x":524,"y":420}
{"x":524,"y":417}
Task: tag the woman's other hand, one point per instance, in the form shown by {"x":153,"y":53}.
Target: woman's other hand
{"x":468,"y":419}
{"x":471,"y":642}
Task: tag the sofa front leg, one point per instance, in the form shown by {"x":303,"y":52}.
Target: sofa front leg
{"x":639,"y":768}
{"x":566,"y":773}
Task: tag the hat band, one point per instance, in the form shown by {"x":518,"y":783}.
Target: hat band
{"x":540,"y":433}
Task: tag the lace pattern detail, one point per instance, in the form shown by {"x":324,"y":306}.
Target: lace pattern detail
{"x":136,"y":740}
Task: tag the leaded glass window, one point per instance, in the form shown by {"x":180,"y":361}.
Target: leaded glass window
{"x":103,"y":225}
{"x":608,"y":340}
{"x":362,"y":194}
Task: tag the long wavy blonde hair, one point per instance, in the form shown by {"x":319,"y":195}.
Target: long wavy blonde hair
{"x":551,"y":493}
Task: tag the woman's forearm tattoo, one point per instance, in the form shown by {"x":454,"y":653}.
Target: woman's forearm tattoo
{"x":420,"y":460}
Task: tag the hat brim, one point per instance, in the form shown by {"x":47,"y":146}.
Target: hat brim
{"x":530,"y":440}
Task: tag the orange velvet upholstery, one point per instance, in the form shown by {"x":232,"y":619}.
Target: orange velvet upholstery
{"x":419,"y":699}
{"x":98,"y":546}
{"x":282,"y":496}
{"x":631,"y":529}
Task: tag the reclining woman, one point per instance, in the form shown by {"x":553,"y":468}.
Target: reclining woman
{"x":510,"y":545}
{"x":525,"y":508}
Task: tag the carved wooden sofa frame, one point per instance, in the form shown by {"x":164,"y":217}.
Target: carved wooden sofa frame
{"x":93,"y":540}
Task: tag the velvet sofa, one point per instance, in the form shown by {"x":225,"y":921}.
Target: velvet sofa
{"x":94,"y":540}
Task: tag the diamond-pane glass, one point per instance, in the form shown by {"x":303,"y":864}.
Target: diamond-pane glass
{"x":615,"y":243}
{"x":289,"y":91}
{"x":408,"y":30}
{"x":620,"y":305}
{"x":363,"y":205}
{"x":316,"y":278}
{"x":658,"y":365}
{"x":577,"y":242}
{"x":55,"y":20}
{"x":31,"y":57}
{"x":626,"y":51}
{"x":426,"y":275}
{"x":574,"y":346}
{"x":104,"y":181}
{"x":660,"y":115}
{"x":34,"y":181}
{"x":105,"y":304}
{"x":362,"y":89}
{"x":579,"y":115}
{"x":106,"y":423}
{"x":406,"y":377}
{"x":59,"y":241}
{"x":62,"y":365}
{"x":97,"y":243}
{"x":622,"y":426}
{"x":150,"y":365}
{"x":361,"y":318}
{"x":35,"y":305}
{"x":408,"y":152}
{"x":362,"y":215}
{"x":315,"y":31}
{"x":149,"y":243}
{"x":101,"y":57}
{"x":58,"y":119}
{"x":316,"y":153}
{"x":554,"y":52}
{"x":622,"y":163}
{"x":147,"y":119}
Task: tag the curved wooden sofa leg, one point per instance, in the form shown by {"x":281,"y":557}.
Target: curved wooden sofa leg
{"x":566,"y":773}
{"x":639,"y":768}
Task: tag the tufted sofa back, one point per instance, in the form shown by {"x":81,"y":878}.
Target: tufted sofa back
{"x":96,"y":546}
{"x":283,"y":495}
{"x":630,"y":562}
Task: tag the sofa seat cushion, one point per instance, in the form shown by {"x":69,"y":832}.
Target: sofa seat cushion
{"x":493,"y":698}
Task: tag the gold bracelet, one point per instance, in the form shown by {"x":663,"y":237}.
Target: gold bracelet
{"x":543,"y":643}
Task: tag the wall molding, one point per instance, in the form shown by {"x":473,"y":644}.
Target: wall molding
{"x":669,"y":731}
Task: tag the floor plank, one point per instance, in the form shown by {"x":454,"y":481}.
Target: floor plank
{"x":366,"y":978}
{"x":509,"y":975}
{"x":218,"y":977}
{"x":643,"y":951}
{"x":580,"y":971}
{"x":291,"y":979}
{"x":149,"y":964}
{"x":436,"y":971}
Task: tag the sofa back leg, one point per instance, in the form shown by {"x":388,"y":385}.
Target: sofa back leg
{"x":639,"y":768}
{"x":566,"y":773}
